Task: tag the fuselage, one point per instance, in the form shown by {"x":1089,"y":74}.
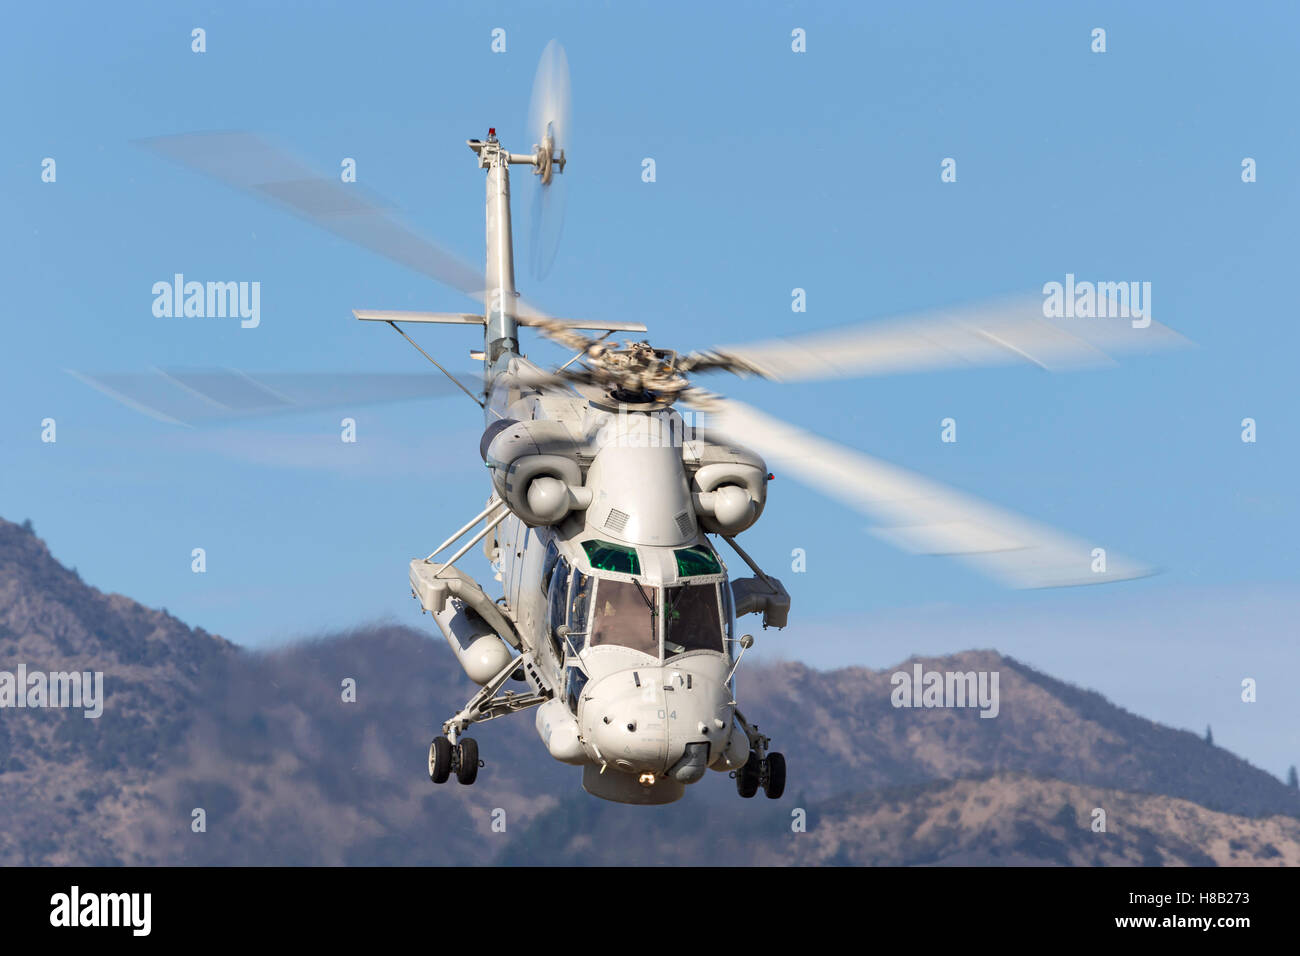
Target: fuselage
{"x":624,"y":604}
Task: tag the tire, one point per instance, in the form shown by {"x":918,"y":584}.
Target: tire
{"x":775,"y":785}
{"x":440,"y":760}
{"x":467,"y":771}
{"x":749,"y":776}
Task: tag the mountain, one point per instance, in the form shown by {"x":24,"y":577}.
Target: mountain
{"x":73,"y":789}
{"x":1013,"y":819}
{"x":1003,"y":819}
{"x":285,"y":770}
{"x":1044,"y":727}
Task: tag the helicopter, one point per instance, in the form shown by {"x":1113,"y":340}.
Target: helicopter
{"x":614,"y":476}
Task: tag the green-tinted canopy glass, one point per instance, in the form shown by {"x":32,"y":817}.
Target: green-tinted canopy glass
{"x":605,"y":556}
{"x":696,"y":560}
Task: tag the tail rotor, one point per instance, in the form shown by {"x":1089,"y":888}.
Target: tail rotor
{"x":549,"y":122}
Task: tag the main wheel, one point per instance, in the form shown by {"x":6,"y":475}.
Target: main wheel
{"x":467,"y":764}
{"x":774,"y":778}
{"x":749,"y":776}
{"x":440,"y":760}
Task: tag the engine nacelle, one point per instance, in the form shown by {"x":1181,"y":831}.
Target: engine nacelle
{"x":535,"y":470}
{"x":728,"y":483}
{"x":729,"y":496}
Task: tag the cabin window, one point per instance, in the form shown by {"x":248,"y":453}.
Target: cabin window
{"x":606,"y":556}
{"x":548,"y":565}
{"x":626,"y":614}
{"x":692,"y":619}
{"x":696,"y":560}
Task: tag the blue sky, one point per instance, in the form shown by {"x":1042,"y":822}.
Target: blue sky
{"x":775,"y":170}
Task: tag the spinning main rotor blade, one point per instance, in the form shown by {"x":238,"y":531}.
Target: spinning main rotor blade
{"x":268,"y":172}
{"x":998,"y":333}
{"x":920,"y":515}
{"x":200,"y":396}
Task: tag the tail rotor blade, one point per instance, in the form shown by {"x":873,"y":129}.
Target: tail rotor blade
{"x":546,"y":227}
{"x":550,"y":122}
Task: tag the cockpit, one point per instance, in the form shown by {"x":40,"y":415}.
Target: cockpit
{"x":613,"y":605}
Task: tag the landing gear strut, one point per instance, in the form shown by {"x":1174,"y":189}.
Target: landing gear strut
{"x":761,"y":769}
{"x":452,"y":753}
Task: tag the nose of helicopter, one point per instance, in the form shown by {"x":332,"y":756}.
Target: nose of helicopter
{"x":631,"y":736}
{"x":655,"y":720}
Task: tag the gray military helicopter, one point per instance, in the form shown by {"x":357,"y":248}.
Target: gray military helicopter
{"x":619,"y":613}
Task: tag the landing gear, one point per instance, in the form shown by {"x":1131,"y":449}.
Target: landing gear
{"x":452,"y":753}
{"x":766,"y":772}
{"x":749,"y":776}
{"x":446,"y":757}
{"x":467,"y":761}
{"x":761,"y":769}
{"x":440,"y":760}
{"x":774,"y":776}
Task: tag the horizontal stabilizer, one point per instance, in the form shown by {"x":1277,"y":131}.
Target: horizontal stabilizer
{"x":441,"y":318}
{"x":469,"y":318}
{"x":583,"y":324}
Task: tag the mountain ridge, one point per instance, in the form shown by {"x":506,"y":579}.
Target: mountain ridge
{"x":286,"y":771}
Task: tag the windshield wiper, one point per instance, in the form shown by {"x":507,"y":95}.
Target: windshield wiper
{"x":654,"y":611}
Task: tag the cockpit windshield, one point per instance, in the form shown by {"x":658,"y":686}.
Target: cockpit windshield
{"x":626,"y":614}
{"x":692,"y":621}
{"x":613,"y":612}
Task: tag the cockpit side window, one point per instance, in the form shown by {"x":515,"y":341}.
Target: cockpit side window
{"x":626,"y":614}
{"x":579,"y":608}
{"x":692,"y":620}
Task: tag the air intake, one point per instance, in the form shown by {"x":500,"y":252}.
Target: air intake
{"x":616,"y":521}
